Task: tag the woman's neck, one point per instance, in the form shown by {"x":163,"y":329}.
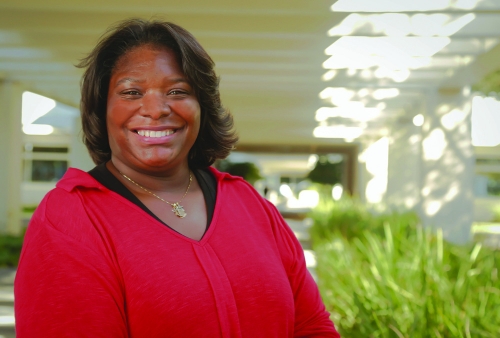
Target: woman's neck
{"x":172,"y":181}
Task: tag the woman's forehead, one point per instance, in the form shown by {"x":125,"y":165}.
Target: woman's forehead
{"x":144,"y":55}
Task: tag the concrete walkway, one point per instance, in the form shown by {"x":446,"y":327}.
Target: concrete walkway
{"x":7,"y":303}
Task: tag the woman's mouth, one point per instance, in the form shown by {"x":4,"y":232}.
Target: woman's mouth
{"x":155,"y":133}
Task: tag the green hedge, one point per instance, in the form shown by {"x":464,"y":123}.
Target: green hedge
{"x":10,"y":250}
{"x":349,"y":218}
{"x":384,"y":276}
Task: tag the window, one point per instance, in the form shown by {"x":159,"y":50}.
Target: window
{"x":47,"y":170}
{"x":44,"y":163}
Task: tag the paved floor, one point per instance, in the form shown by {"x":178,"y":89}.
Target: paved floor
{"x":7,"y":303}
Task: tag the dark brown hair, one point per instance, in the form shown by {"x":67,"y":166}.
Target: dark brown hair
{"x":216,"y":137}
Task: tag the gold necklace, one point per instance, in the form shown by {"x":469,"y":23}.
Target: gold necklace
{"x":177,"y":209}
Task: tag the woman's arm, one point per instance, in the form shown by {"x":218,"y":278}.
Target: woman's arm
{"x":65,"y":285}
{"x":311,"y":317}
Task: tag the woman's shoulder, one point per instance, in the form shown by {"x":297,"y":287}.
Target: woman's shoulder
{"x":63,"y":204}
{"x":66,"y":194}
{"x":61,"y":222}
{"x":234,"y":189}
{"x":230,"y":184}
{"x":225,"y":178}
{"x":76,"y":178}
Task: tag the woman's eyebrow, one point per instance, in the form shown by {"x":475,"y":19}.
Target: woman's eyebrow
{"x":128,"y":79}
{"x":134,"y":80}
{"x":178,"y":80}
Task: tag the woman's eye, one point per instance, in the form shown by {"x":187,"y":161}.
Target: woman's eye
{"x":131,"y":92}
{"x":176,"y":92}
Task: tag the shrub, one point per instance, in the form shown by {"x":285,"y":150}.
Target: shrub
{"x":10,"y":250}
{"x":392,"y":278}
{"x":326,"y":172}
{"x":349,"y":218}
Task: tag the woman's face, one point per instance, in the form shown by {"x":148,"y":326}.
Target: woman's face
{"x":153,"y":116}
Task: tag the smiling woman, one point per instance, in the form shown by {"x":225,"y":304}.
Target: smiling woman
{"x":153,"y":242}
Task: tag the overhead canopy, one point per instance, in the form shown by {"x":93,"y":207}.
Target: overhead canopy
{"x":280,"y":61}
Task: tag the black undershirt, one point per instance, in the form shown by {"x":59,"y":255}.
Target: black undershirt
{"x":205,"y":178}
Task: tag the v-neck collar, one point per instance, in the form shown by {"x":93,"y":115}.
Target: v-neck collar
{"x":74,"y":178}
{"x":205,"y":179}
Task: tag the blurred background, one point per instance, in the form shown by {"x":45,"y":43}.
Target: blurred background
{"x":349,"y":107}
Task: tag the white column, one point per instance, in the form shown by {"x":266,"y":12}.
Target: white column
{"x":405,"y":172}
{"x":448,"y":164}
{"x":11,"y":147}
{"x":78,"y":155}
{"x":374,"y":160}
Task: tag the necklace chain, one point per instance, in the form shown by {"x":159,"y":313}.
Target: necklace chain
{"x":177,"y":209}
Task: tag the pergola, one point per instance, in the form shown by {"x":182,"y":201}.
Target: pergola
{"x":379,"y":77}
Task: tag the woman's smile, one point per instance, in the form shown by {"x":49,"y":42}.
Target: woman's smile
{"x":156,"y":135}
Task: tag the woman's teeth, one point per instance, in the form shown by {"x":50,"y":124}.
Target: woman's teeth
{"x":152,"y":133}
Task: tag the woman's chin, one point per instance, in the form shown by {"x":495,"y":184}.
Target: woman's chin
{"x":161,"y":163}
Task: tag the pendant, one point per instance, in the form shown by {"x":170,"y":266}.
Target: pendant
{"x":178,"y":210}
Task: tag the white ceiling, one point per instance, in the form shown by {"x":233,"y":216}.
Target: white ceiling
{"x":269,"y":54}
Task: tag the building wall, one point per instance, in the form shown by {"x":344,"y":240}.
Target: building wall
{"x":429,"y":169}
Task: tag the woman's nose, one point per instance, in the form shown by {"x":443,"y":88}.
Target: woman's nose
{"x":154,"y":105}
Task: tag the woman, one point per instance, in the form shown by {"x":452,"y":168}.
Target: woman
{"x":153,"y":242}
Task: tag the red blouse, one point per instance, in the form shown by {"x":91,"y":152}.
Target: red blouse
{"x":96,"y":265}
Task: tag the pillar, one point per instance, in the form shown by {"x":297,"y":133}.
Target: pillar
{"x":447,"y":164}
{"x":11,"y":145}
{"x":404,"y":167}
{"x":78,"y":155}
